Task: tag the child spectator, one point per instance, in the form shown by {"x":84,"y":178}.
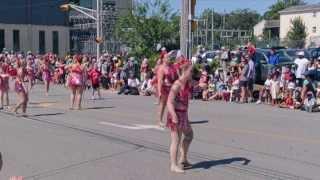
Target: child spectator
{"x":203,"y":83}
{"x":147,"y":87}
{"x":265,"y":91}
{"x":287,"y":101}
{"x":297,"y":98}
{"x":94,"y":76}
{"x":235,"y":88}
{"x":309,"y":102}
{"x":274,"y":88}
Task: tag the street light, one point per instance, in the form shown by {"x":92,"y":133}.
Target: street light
{"x":89,"y":13}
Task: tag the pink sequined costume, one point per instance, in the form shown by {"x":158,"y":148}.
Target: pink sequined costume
{"x":181,"y":109}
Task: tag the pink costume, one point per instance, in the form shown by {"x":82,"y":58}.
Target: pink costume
{"x":4,"y":82}
{"x":181,"y":109}
{"x":30,"y":73}
{"x":18,"y":87}
{"x":76,"y":77}
{"x":46,"y":75}
{"x":170,"y":76}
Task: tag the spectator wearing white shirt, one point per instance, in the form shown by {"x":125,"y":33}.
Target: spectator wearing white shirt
{"x":302,"y":66}
{"x":132,"y":87}
{"x":265,"y":91}
{"x":147,"y":87}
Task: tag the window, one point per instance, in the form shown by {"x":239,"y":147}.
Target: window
{"x":55,"y":42}
{"x":2,"y":40}
{"x":16,"y":40}
{"x":314,"y":29}
{"x":260,"y":58}
{"x":42,"y":42}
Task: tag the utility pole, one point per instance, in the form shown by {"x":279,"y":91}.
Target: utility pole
{"x":184,"y":27}
{"x":98,"y":11}
{"x":187,"y":13}
{"x":207,"y":28}
{"x":212,"y":27}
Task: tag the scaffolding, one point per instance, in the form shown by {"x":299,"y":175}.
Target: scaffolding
{"x":84,"y":30}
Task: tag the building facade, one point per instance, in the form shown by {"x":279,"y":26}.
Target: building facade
{"x":268,"y":28}
{"x":310,"y":14}
{"x":34,"y":25}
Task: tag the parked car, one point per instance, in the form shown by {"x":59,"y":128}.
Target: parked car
{"x":292,"y":53}
{"x":314,"y":52}
{"x":209,"y":56}
{"x":262,"y":66}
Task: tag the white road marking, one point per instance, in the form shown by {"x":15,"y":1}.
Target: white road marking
{"x":133,"y":127}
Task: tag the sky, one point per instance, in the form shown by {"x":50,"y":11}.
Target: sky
{"x":228,"y":5}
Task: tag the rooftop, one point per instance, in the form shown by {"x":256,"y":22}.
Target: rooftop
{"x":301,"y":8}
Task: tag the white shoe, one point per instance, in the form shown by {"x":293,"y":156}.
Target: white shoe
{"x":258,"y":102}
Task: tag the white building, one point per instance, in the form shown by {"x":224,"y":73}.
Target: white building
{"x":269,"y":26}
{"x":310,"y":14}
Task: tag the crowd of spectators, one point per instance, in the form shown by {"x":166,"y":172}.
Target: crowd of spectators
{"x":233,"y":81}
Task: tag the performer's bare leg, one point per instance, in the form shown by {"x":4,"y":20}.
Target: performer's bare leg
{"x":72,"y":98}
{"x":175,"y":142}
{"x":188,"y":136}
{"x":162,"y":107}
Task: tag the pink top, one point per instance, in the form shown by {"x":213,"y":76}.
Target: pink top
{"x":182,"y":99}
{"x":170,"y":76}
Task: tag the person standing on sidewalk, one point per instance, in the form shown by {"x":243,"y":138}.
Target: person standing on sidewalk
{"x":225,"y":59}
{"x":302,"y":65}
{"x":251,"y":78}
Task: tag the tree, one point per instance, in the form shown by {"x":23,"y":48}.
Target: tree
{"x":242,"y":19}
{"x":273,"y":12}
{"x":150,"y":23}
{"x":238,"y":19}
{"x":297,"y":35}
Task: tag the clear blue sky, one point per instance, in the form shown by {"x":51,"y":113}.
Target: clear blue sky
{"x":228,"y":5}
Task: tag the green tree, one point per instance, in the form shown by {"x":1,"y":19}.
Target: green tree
{"x":273,"y":12}
{"x":242,"y":19}
{"x":208,"y":14}
{"x":238,"y":19}
{"x":297,"y":35}
{"x":149,"y":23}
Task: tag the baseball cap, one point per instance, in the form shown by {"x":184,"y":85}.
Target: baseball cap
{"x":300,"y":53}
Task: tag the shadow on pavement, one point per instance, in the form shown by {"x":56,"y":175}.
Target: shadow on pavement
{"x":1,"y":162}
{"x":199,"y":122}
{"x":47,"y":114}
{"x":210,"y":164}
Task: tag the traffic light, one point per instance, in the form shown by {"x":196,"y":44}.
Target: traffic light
{"x":194,"y":24}
{"x":99,"y":40}
{"x":193,"y":7}
{"x":65,"y":7}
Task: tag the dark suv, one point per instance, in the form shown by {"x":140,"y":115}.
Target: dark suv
{"x":262,"y":66}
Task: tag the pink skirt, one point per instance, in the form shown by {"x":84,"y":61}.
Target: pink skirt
{"x":4,"y":86}
{"x":183,"y":121}
{"x":165,"y":90}
{"x":46,"y":76}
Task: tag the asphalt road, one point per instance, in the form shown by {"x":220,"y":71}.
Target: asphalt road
{"x":115,"y":138}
